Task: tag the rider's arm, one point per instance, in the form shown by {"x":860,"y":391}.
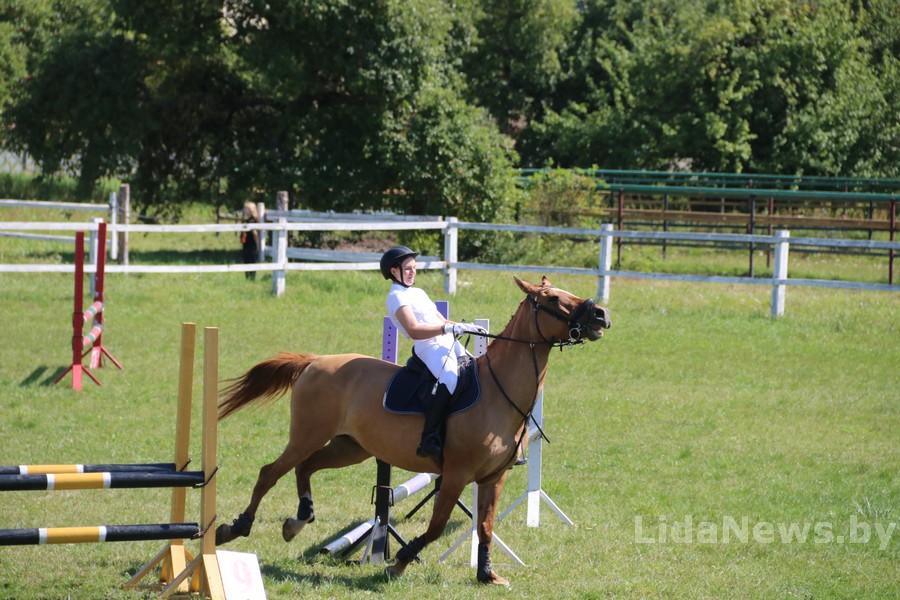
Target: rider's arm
{"x":416,"y":330}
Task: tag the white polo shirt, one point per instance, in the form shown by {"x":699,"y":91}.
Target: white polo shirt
{"x":440,"y":352}
{"x":423,"y":309}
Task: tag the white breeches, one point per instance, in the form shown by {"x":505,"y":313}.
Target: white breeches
{"x":440,"y":356}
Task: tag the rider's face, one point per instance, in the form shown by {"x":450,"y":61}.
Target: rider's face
{"x":406,"y":272}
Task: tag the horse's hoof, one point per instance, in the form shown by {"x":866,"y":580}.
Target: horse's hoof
{"x":224,"y":534}
{"x":495,"y":579}
{"x":291,"y":527}
{"x":395,"y":570}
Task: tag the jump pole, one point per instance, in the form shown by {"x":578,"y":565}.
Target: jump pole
{"x":94,"y":535}
{"x":95,"y":481}
{"x":78,"y":468}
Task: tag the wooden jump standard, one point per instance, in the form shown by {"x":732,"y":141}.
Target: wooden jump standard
{"x":179,"y":571}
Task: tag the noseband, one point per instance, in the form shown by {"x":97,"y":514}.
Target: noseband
{"x":573,"y":321}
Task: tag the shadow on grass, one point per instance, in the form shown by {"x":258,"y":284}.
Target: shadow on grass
{"x":353,"y":580}
{"x":38,"y":373}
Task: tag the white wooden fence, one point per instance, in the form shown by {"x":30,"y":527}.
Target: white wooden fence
{"x":450,"y":264}
{"x":116,"y":211}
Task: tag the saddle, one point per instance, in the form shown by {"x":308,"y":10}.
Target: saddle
{"x":408,"y":387}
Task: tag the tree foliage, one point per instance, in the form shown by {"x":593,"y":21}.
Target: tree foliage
{"x":425,"y":106}
{"x":763,"y":86}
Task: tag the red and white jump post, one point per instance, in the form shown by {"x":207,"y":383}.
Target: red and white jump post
{"x":91,"y":342}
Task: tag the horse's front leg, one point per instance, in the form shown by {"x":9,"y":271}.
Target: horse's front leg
{"x":444,"y":503}
{"x":488,"y":496}
{"x":341,"y":451}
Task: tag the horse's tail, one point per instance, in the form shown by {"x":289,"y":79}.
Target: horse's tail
{"x":265,"y":381}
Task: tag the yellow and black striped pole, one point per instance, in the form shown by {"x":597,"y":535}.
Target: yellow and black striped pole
{"x":93,"y":535}
{"x":95,"y":481}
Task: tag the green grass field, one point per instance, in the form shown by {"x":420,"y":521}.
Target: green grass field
{"x":688,"y":445}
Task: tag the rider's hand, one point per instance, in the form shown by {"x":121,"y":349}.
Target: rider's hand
{"x":460,"y":329}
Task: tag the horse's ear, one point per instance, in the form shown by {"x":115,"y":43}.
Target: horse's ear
{"x":545,"y":282}
{"x":528,"y":288}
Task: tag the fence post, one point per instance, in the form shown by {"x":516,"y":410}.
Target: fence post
{"x":261,"y":218}
{"x":93,"y":247}
{"x":451,"y":241}
{"x":780,"y":272}
{"x":114,"y":220}
{"x":124,"y":217}
{"x":606,"y":239}
{"x":279,"y":256}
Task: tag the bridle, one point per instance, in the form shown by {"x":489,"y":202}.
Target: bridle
{"x":576,"y":328}
{"x":573,"y":321}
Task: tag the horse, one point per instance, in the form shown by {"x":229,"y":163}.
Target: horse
{"x":337,"y":418}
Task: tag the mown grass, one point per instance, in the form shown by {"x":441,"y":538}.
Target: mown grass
{"x":696,"y":404}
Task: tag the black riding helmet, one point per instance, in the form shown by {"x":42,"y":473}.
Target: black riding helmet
{"x":393,"y":257}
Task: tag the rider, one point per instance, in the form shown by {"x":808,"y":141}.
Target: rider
{"x":434,"y":339}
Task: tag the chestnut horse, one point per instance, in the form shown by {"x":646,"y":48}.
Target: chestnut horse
{"x":337,"y":417}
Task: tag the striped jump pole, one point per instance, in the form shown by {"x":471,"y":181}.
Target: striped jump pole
{"x":113,"y":468}
{"x":107,"y":480}
{"x":93,"y":535}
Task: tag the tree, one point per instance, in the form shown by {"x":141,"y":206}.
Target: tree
{"x":514,"y":59}
{"x":225,"y":101}
{"x":776,"y":85}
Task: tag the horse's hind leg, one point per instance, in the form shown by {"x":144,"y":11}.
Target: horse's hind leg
{"x":341,"y":451}
{"x":269,"y":475}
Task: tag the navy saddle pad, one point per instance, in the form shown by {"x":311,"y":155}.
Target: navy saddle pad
{"x":411,"y":383}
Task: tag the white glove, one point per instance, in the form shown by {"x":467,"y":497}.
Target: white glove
{"x":460,"y":329}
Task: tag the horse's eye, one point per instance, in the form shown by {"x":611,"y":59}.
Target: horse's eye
{"x":553,"y":299}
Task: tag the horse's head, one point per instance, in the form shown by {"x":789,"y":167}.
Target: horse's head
{"x":568,"y":316}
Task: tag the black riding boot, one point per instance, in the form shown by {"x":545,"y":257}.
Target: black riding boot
{"x":431,"y":444}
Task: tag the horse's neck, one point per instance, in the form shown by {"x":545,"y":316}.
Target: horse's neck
{"x":520,"y":367}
